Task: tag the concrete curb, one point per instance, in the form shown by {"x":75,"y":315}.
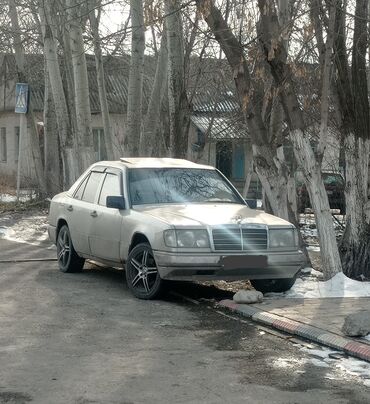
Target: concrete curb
{"x":349,"y":346}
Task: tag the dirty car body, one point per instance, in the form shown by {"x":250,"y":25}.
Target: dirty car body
{"x":170,"y":219}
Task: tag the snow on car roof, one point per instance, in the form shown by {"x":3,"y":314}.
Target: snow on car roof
{"x":151,"y":162}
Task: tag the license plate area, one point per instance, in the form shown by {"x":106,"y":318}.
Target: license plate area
{"x":244,"y":261}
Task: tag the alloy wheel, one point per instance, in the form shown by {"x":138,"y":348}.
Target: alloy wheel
{"x":63,"y":247}
{"x":144,"y":271}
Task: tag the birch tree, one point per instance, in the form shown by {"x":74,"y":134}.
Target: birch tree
{"x":94,"y":25}
{"x":135,"y":84}
{"x":150,"y":138}
{"x":68,"y":151}
{"x":177,"y":96}
{"x":51,"y":141}
{"x":81,"y":85}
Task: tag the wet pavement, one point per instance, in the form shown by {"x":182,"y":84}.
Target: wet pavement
{"x":83,"y":338}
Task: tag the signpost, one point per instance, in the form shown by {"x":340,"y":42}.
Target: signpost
{"x":21,"y":107}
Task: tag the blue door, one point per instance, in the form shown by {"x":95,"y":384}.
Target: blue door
{"x":238,"y":162}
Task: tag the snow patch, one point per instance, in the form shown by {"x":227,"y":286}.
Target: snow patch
{"x":31,"y":230}
{"x":25,"y":196}
{"x":351,"y":366}
{"x":338,"y":286}
{"x":313,"y":248}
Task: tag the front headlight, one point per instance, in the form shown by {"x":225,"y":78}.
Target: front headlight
{"x":283,"y":238}
{"x":186,"y":238}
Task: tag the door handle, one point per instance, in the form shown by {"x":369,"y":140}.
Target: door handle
{"x":93,"y":213}
{"x":70,"y":208}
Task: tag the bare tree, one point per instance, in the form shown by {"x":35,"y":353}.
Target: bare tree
{"x":135,"y":85}
{"x":352,"y":87}
{"x":177,"y":96}
{"x":270,"y":169}
{"x":150,"y":139}
{"x":275,"y":54}
{"x":94,"y":25}
{"x":81,"y":84}
{"x":68,"y":152}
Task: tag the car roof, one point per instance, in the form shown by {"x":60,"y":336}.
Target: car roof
{"x":152,"y":162}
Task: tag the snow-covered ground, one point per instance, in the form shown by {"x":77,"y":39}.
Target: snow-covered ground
{"x":25,"y":196}
{"x":27,"y":229}
{"x":338,"y":286}
{"x":341,"y":367}
{"x":347,"y":365}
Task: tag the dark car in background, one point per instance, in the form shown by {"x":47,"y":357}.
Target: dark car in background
{"x":334,"y":185}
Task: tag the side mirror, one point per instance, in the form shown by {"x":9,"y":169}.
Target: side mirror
{"x":115,"y":202}
{"x":252,"y":203}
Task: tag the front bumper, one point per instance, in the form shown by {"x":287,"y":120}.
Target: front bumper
{"x":208,"y":266}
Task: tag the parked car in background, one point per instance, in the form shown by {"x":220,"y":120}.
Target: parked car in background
{"x":334,"y":185}
{"x":170,"y":219}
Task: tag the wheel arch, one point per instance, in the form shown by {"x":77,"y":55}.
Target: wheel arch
{"x":138,"y":238}
{"x":60,"y":223}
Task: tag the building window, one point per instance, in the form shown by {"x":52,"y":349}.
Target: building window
{"x":3,"y":151}
{"x":16,"y":143}
{"x":99,"y":144}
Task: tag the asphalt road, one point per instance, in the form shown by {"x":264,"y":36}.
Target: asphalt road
{"x":82,"y":338}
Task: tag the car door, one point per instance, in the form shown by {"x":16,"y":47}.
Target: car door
{"x":83,"y":209}
{"x":105,"y":232}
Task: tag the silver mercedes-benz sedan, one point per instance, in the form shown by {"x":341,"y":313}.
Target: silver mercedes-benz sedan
{"x":169,"y":219}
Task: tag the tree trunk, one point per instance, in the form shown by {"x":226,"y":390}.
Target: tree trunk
{"x":34,"y":140}
{"x":248,"y":167}
{"x":149,"y":140}
{"x":51,"y":142}
{"x":81,"y":86}
{"x":354,"y":105}
{"x":355,"y":244}
{"x":135,"y":84}
{"x":56,"y":85}
{"x":275,"y":55}
{"x":94,"y":24}
{"x":177,"y":97}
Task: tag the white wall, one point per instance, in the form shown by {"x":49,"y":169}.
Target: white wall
{"x":8,"y":168}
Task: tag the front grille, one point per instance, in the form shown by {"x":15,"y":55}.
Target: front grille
{"x":227,"y":239}
{"x":254,"y":239}
{"x":236,"y":239}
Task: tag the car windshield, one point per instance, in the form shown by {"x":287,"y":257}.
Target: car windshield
{"x":179,"y":185}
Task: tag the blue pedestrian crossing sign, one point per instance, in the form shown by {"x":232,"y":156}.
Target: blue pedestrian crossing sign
{"x":21,"y":98}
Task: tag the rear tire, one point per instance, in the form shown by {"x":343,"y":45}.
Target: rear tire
{"x":273,"y":285}
{"x":68,"y":260}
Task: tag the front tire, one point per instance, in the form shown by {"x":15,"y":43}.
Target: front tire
{"x":273,"y":285}
{"x":68,"y":260}
{"x":142,"y":274}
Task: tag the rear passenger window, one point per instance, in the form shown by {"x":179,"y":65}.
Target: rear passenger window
{"x":111,"y":187}
{"x":92,"y":187}
{"x":81,"y":188}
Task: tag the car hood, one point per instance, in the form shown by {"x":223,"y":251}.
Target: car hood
{"x":210,"y":215}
